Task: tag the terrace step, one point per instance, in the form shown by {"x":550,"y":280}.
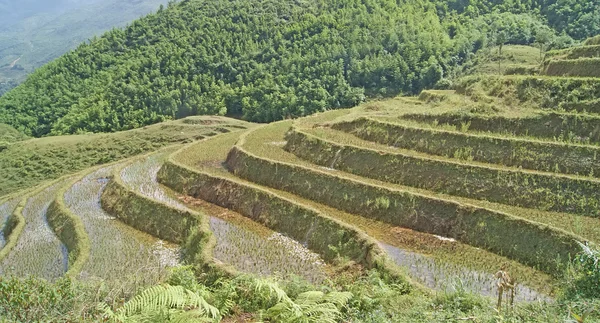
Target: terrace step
{"x":427,"y":213}
{"x":196,"y":171}
{"x":33,"y":249}
{"x":580,"y":67}
{"x":566,"y":127}
{"x":234,"y":240}
{"x":118,"y":254}
{"x":494,"y":183}
{"x":574,"y":53}
{"x":507,"y":151}
{"x":7,"y":207}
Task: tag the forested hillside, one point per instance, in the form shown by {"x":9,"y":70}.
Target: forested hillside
{"x":34,"y":32}
{"x":579,"y":19}
{"x":261,"y":60}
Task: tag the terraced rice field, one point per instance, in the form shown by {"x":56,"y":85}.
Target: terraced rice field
{"x":119,"y":254}
{"x":240,"y":242}
{"x":6,"y":209}
{"x":446,"y":276}
{"x":461,"y":260}
{"x":38,"y":251}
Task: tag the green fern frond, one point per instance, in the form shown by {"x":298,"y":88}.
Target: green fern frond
{"x":272,"y":288}
{"x":164,"y":303}
{"x":309,"y":307}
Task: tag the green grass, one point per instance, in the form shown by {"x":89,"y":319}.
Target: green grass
{"x":489,"y":61}
{"x":545,"y":191}
{"x":565,"y":127}
{"x":508,"y":151}
{"x":9,"y":135}
{"x":581,"y":67}
{"x":34,"y":161}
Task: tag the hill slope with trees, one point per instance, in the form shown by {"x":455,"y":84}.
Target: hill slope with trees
{"x":259,"y":60}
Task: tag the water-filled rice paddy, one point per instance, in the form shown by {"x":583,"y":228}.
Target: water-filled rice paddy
{"x":450,"y":277}
{"x":38,"y":251}
{"x":443,"y":264}
{"x":240,"y":242}
{"x":119,"y":254}
{"x":6,"y":209}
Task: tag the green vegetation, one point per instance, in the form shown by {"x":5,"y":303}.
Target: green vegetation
{"x":584,"y":67}
{"x":31,"y":162}
{"x":311,"y":56}
{"x":508,"y":186}
{"x":413,"y":209}
{"x":528,"y":154}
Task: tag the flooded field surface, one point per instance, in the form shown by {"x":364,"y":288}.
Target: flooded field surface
{"x":450,"y":277}
{"x":118,"y":252}
{"x":241,"y":242}
{"x":38,"y":251}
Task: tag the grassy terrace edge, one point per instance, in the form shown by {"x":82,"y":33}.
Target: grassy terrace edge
{"x":494,"y":231}
{"x":537,"y":155}
{"x":545,"y":191}
{"x":330,"y":238}
{"x":583,"y":67}
{"x":69,"y":229}
{"x":15,"y":224}
{"x":547,"y":91}
{"x":185,"y":227}
{"x":552,"y":125}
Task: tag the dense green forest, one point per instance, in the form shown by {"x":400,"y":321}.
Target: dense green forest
{"x":268,"y":60}
{"x":35,"y":32}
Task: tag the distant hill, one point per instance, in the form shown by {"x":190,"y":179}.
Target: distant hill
{"x":34,"y":32}
{"x":266,"y":60}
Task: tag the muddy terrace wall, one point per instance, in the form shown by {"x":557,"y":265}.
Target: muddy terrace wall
{"x":568,"y":127}
{"x":190,"y":230}
{"x":70,"y":230}
{"x":331,"y":239}
{"x":529,"y":154}
{"x":542,"y":191}
{"x":584,"y":67}
{"x":527,"y":242}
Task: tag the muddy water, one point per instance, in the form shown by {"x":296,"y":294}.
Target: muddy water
{"x":38,"y":251}
{"x":240,"y":242}
{"x":450,"y":277}
{"x":119,"y":254}
{"x":6,"y":209}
